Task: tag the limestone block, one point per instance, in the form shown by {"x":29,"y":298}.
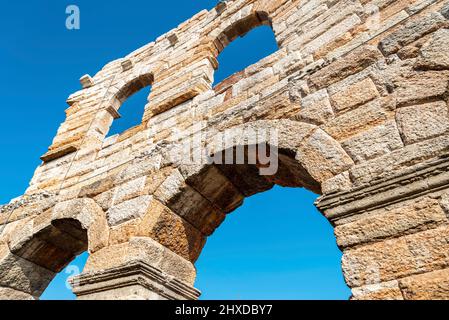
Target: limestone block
{"x":129,"y":190}
{"x":131,"y":209}
{"x":361,"y":119}
{"x":396,"y":258}
{"x":382,"y":291}
{"x":172,"y":231}
{"x":420,"y":87}
{"x":141,"y":166}
{"x":398,"y":160}
{"x":434,"y":54}
{"x":422,"y":122}
{"x":316,"y":108}
{"x":189,"y":204}
{"x":214,"y":186}
{"x":355,"y":95}
{"x":350,"y":64}
{"x":331,"y":34}
{"x":339,"y":183}
{"x":86,"y":81}
{"x":422,"y":215}
{"x":96,"y":188}
{"x":374,"y":142}
{"x":412,"y":31}
{"x":323,"y":157}
{"x":428,"y":286}
{"x":146,"y":250}
{"x":11,"y":294}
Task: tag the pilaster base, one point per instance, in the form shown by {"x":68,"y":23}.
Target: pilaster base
{"x":135,"y":280}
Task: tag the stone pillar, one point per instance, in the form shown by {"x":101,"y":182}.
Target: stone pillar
{"x":394,"y":234}
{"x":140,"y":269}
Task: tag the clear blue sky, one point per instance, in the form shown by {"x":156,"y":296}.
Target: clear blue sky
{"x":276,"y":246}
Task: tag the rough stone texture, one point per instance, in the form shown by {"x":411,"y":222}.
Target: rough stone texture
{"x":422,"y":122}
{"x":428,"y":286}
{"x":384,"y":291}
{"x":128,"y":210}
{"x":355,"y":95}
{"x":412,"y":31}
{"x":397,"y":258}
{"x":425,"y":214}
{"x":351,"y":107}
{"x":374,"y":142}
{"x":432,"y":57}
{"x":316,"y":108}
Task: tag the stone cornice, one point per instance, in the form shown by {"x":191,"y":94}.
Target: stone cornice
{"x":430,"y":177}
{"x":134,"y":273}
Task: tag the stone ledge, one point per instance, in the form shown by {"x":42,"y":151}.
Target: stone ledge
{"x":135,"y":273}
{"x":58,"y":153}
{"x":432,"y":176}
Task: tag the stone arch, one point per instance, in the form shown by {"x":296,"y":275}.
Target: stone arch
{"x":116,"y":95}
{"x":125,"y":88}
{"x":41,"y":246}
{"x":202,"y":194}
{"x":238,"y":26}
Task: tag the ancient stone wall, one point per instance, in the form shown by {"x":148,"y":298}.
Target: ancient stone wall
{"x":354,"y":104}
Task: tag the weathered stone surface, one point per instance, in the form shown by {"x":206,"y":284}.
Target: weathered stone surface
{"x":352,"y":63}
{"x":316,"y":108}
{"x":355,"y":95}
{"x":144,"y":249}
{"x":381,"y":291}
{"x":422,"y":122}
{"x":339,"y":183}
{"x":398,"y":160}
{"x":421,"y":87}
{"x":411,"y":31}
{"x":397,"y":258}
{"x":374,"y":142}
{"x":135,"y":280}
{"x":428,"y":286}
{"x":360,"y":119}
{"x":19,"y":274}
{"x":172,"y":231}
{"x":323,"y":157}
{"x":378,"y":226}
{"x":433,"y":56}
{"x":11,"y":294}
{"x":189,"y":204}
{"x":128,"y":210}
{"x":129,"y":190}
{"x":366,"y":130}
{"x":445,"y":11}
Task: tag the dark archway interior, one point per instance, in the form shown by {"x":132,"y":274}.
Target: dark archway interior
{"x":56,"y":245}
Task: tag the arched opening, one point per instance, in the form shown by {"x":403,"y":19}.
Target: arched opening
{"x":276,"y":246}
{"x":128,"y":104}
{"x":59,"y":288}
{"x":236,"y":173}
{"x":42,"y":247}
{"x":243,"y":44}
{"x":35,"y":260}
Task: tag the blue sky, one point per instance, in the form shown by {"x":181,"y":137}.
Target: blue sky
{"x":276,"y":246}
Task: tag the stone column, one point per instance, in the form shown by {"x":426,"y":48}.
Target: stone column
{"x":394,"y":234}
{"x":140,"y":269}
